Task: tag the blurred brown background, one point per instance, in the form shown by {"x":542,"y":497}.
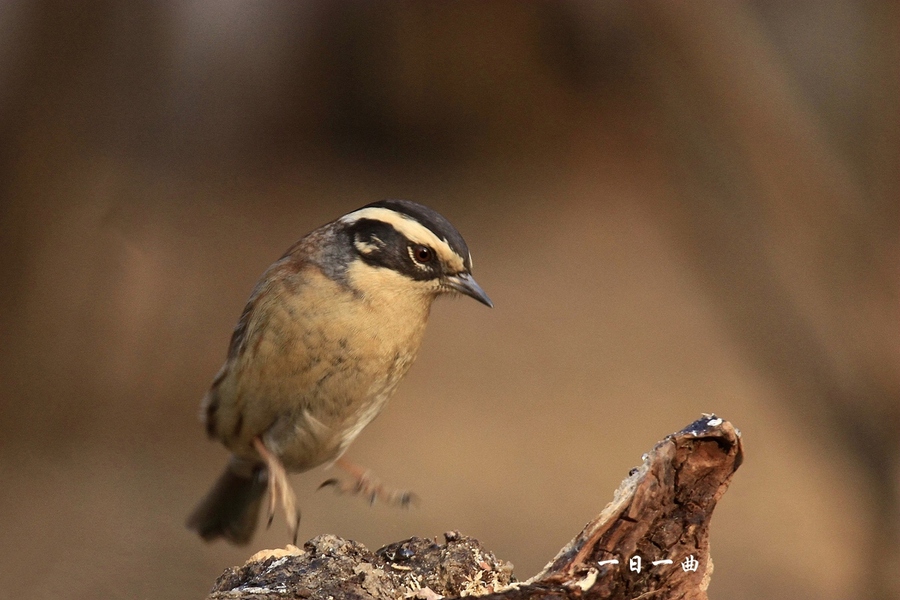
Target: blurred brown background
{"x":677,"y":207}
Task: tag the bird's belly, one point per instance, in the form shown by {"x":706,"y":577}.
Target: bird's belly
{"x":320,"y":422}
{"x":319,"y":370}
{"x":310,"y":406}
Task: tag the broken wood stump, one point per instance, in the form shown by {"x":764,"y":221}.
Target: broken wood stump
{"x":651,"y":541}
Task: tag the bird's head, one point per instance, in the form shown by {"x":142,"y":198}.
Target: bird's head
{"x":406,"y":247}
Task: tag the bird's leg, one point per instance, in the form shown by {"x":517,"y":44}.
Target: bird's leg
{"x":279,"y":488}
{"x":362,"y":482}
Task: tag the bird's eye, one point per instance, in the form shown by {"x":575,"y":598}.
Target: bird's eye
{"x":422,"y":254}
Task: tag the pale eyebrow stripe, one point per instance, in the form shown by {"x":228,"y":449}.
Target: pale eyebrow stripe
{"x":411,"y":229}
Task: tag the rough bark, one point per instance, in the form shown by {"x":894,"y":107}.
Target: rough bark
{"x":660,"y":514}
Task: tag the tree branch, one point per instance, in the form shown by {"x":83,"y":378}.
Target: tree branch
{"x":651,"y":541}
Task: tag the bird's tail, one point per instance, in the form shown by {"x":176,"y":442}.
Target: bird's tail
{"x":231,"y":508}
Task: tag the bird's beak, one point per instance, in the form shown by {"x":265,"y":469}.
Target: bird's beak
{"x":464,"y":284}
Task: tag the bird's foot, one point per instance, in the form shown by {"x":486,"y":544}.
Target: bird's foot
{"x":362,"y":483}
{"x":279,"y":489}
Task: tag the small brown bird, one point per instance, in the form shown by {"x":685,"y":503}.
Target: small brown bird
{"x":328,"y":333}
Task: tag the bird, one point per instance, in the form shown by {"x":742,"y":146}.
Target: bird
{"x":328,"y":333}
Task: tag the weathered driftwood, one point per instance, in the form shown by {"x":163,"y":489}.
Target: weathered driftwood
{"x":651,"y":541}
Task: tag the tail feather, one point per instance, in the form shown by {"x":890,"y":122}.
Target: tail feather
{"x":231,"y":508}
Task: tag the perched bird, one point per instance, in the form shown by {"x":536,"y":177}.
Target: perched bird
{"x":328,"y":333}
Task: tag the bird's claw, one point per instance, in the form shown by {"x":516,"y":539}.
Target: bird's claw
{"x":280,"y":490}
{"x":362,"y":483}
